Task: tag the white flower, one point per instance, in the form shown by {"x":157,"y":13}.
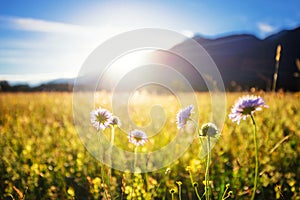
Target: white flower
{"x":101,"y":118}
{"x":137,"y":137}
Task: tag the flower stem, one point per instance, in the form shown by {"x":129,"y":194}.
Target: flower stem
{"x":256,"y":159}
{"x":197,"y":194}
{"x":207,"y":188}
{"x":134,"y":163}
{"x":172,"y":196}
{"x":179,"y":192}
{"x":109,"y":156}
{"x":224,"y":193}
{"x":191,"y":177}
{"x":102,"y":166}
{"x":135,"y":158}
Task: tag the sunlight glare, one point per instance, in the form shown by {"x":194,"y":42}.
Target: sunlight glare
{"x":127,"y":62}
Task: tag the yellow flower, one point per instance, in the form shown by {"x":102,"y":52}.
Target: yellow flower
{"x":188,"y":168}
{"x":179,"y":183}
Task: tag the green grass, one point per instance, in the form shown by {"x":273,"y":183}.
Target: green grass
{"x":42,"y":156}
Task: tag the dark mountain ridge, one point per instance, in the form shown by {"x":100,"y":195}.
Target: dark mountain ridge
{"x":246,"y":61}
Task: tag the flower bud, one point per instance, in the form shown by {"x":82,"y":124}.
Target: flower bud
{"x":208,"y":129}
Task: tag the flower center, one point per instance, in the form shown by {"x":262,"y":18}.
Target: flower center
{"x":138,"y":138}
{"x":248,"y":110}
{"x":101,"y":119}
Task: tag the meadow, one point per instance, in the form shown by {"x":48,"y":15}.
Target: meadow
{"x":42,"y":156}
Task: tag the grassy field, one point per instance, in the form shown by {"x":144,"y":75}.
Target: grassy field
{"x":42,"y":156}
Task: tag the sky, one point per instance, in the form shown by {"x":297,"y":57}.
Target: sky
{"x":44,"y":40}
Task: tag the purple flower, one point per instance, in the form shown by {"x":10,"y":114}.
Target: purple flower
{"x":137,"y":137}
{"x":101,"y":118}
{"x":246,"y":106}
{"x":183,"y":115}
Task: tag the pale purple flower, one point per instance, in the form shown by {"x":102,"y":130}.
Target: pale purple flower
{"x":246,"y":106}
{"x":101,"y":118}
{"x":183,"y":115}
{"x":137,"y":137}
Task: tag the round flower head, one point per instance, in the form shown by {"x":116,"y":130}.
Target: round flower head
{"x":137,"y":137}
{"x":116,"y":121}
{"x":101,"y":118}
{"x":209,"y":129}
{"x":183,"y":115}
{"x":246,"y":106}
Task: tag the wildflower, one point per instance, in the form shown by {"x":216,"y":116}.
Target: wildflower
{"x":179,"y":183}
{"x":209,"y":129}
{"x":188,"y":168}
{"x":172,"y":190}
{"x":116,"y":121}
{"x":101,"y":118}
{"x":183,"y":115}
{"x":138,"y":137}
{"x":246,"y":106}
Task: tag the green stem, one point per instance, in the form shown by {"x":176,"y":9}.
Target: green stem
{"x":191,"y":177}
{"x":198,"y":196}
{"x":172,"y":196}
{"x":109,"y":157}
{"x":102,"y":166}
{"x":134,"y":163}
{"x":256,"y":159}
{"x":223,"y":196}
{"x":195,"y":187}
{"x":135,"y":158}
{"x":179,"y":192}
{"x":207,"y":188}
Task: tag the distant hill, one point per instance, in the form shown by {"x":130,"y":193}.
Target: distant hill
{"x":245,"y":61}
{"x":44,"y":87}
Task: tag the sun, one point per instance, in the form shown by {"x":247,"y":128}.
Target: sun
{"x":127,"y":62}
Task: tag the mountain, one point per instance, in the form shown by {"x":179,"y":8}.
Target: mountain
{"x":62,"y":81}
{"x":245,"y":61}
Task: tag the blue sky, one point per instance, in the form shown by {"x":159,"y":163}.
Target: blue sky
{"x":42,"y":40}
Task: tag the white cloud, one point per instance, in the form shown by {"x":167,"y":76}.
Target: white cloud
{"x":60,"y":47}
{"x":38,"y":25}
{"x":265,"y":28}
